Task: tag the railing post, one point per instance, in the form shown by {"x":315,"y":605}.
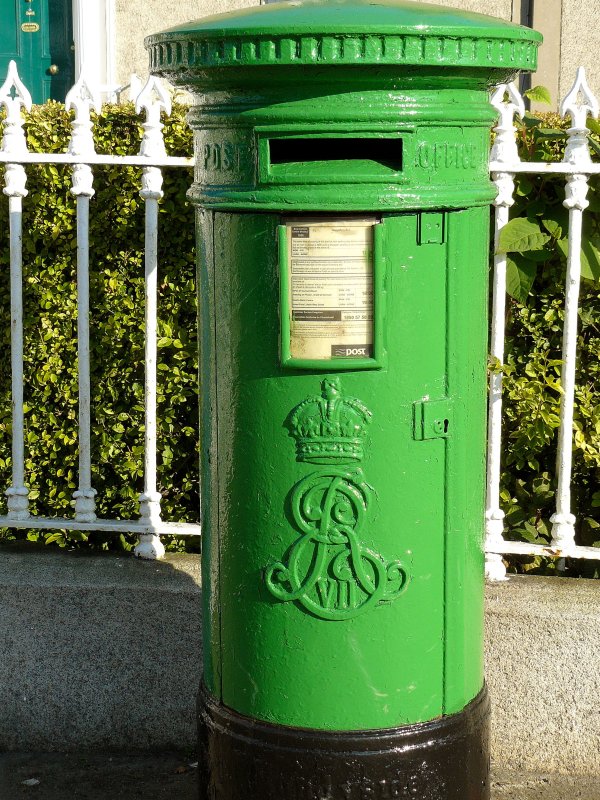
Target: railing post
{"x":153,"y":99}
{"x":578,"y":103}
{"x":82,"y":99}
{"x":504,"y":151}
{"x":14,"y":96}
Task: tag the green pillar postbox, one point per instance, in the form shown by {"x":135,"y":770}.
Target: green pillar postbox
{"x":342,"y":195}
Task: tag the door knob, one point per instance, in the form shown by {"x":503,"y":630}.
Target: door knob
{"x":53,"y":69}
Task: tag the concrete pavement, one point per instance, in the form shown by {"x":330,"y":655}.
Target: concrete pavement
{"x":171,"y":776}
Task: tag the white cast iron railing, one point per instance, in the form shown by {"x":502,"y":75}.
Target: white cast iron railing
{"x":505,"y":163}
{"x":81,"y":155}
{"x":577,"y":167}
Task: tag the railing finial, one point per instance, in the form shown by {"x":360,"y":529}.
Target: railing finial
{"x":154,"y":98}
{"x":505,"y":149}
{"x":82,"y":98}
{"x":13,"y":97}
{"x":579,"y":103}
{"x":13,"y":92}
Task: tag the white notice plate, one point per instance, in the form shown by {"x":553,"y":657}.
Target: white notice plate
{"x":330,"y":288}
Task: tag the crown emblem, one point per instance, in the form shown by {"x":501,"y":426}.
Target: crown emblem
{"x":330,"y":428}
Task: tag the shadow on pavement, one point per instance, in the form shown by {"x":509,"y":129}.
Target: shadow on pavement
{"x":53,"y":776}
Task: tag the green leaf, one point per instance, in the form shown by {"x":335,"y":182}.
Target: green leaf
{"x":590,"y":256}
{"x":550,"y":134}
{"x":594,"y":145}
{"x":54,"y":537}
{"x":520,"y":235}
{"x":520,"y":275}
{"x":530,"y":121}
{"x":538,"y":255}
{"x":553,"y":227}
{"x":538,"y":94}
{"x":524,"y":185}
{"x":536,"y":209}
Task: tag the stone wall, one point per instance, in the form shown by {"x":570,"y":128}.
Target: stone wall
{"x":136,"y":19}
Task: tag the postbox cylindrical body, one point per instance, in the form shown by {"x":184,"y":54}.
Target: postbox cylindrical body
{"x":343,"y":202}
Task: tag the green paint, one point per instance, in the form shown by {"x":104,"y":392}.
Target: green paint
{"x":38,"y":34}
{"x":344,"y":108}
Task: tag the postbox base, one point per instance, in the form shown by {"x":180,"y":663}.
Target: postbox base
{"x":245,"y":759}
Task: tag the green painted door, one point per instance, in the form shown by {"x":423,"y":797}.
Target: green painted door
{"x":409,"y":658}
{"x":38,"y":35}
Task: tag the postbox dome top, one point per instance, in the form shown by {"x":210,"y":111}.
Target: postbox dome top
{"x":326,"y":32}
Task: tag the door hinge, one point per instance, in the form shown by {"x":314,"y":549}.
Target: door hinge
{"x":432,"y":419}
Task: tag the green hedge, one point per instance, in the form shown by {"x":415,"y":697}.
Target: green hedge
{"x":117,"y":330}
{"x":536,"y":242}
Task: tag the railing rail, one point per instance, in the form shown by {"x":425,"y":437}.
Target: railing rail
{"x":577,"y":167}
{"x":81,"y":155}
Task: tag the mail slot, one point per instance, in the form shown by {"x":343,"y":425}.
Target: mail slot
{"x":323,"y":158}
{"x":371,"y":155}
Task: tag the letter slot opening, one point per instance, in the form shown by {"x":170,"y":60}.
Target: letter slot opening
{"x":367,"y":155}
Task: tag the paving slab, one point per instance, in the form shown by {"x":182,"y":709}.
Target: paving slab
{"x":53,"y":776}
{"x":171,"y":776}
{"x":529,"y":786}
{"x":98,"y":654}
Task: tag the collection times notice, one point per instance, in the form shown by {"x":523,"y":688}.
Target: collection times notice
{"x":330,"y":269}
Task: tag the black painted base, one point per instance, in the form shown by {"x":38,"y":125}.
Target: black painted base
{"x":245,"y":759}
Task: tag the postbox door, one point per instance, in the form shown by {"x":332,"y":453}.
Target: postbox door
{"x":358,"y":664}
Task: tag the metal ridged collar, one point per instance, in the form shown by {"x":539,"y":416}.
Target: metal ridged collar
{"x":303,"y":32}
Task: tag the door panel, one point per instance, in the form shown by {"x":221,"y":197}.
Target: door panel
{"x":390,"y":659}
{"x":37,"y":34}
{"x":10,"y":43}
